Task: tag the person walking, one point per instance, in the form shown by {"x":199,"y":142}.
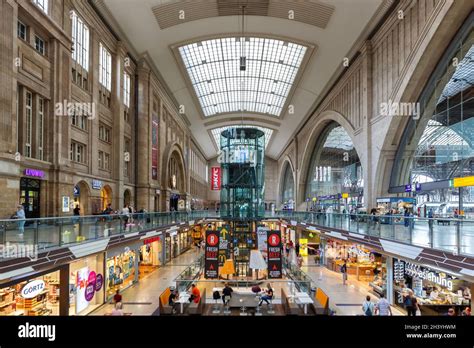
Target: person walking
{"x":411,"y":304}
{"x":297,"y":249}
{"x":368,"y":307}
{"x":77,"y":211}
{"x":430,"y":220}
{"x":344,"y":272}
{"x":20,"y":215}
{"x":382,"y":308}
{"x":125,"y":213}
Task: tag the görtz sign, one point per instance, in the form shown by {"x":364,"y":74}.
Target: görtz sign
{"x":32,"y":289}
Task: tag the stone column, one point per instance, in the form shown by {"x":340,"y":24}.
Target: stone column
{"x":365,"y":136}
{"x":143,"y":124}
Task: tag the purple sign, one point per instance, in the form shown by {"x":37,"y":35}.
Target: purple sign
{"x":34,"y":172}
{"x":90,"y":291}
{"x":407,"y":188}
{"x":99,"y":281}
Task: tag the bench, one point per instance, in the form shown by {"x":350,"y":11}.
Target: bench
{"x":164,"y":307}
{"x":196,"y":308}
{"x":321,"y":303}
{"x":290,"y":307}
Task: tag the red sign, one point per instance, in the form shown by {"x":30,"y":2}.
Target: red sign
{"x":211,"y":263}
{"x":151,"y":240}
{"x":215,"y":178}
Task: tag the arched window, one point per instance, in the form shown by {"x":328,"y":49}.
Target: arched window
{"x":335,"y":166}
{"x":288,"y":185}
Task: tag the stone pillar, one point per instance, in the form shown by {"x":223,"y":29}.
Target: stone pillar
{"x":366,"y":135}
{"x":143,"y":124}
{"x":117,"y":108}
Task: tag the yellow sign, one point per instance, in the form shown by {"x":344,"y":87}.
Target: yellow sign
{"x":303,"y":247}
{"x":462,"y":182}
{"x":345,"y":195}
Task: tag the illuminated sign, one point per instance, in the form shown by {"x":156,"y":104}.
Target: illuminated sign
{"x":463,"y":182}
{"x":345,"y":195}
{"x":34,"y":173}
{"x":96,"y":184}
{"x":215,"y":178}
{"x":439,"y":278}
{"x":32,"y":289}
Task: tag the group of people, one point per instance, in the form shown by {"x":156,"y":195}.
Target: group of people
{"x":296,"y":247}
{"x":194,"y":296}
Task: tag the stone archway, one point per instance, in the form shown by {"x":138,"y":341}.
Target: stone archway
{"x":82,"y":198}
{"x":285,"y":170}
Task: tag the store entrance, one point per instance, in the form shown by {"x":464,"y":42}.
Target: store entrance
{"x":30,"y":197}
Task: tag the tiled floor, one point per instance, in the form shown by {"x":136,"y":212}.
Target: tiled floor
{"x":143,"y":297}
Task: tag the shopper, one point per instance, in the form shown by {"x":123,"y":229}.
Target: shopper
{"x":172,"y":300}
{"x":411,"y":304}
{"x":117,"y":311}
{"x":368,"y":307}
{"x":268,"y":295}
{"x":466,"y":312}
{"x":226,"y":292}
{"x":77,"y":211}
{"x":20,"y":215}
{"x":297,"y":249}
{"x":117,"y":296}
{"x":344,"y":272}
{"x":406,"y":214}
{"x":125,"y":213}
{"x":430,"y":220}
{"x":451,"y":312}
{"x":195,"y":294}
{"x":383,"y":308}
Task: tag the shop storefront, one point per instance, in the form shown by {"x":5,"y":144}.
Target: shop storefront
{"x":122,"y":268}
{"x":30,"y":191}
{"x":366,"y":265}
{"x":86,"y":285}
{"x":151,"y":256}
{"x":42,"y":294}
{"x":177,"y":242}
{"x":434,"y":290}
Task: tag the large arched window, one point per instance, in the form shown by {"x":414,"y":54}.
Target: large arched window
{"x":288,"y":185}
{"x":335,"y":166}
{"x":438,"y":144}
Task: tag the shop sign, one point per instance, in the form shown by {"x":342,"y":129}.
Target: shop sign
{"x":99,"y":281}
{"x":303,"y":247}
{"x":211,"y":264}
{"x":442,"y":279}
{"x":151,"y":240}
{"x":34,"y":173}
{"x":274,"y":254}
{"x":96,"y":184}
{"x":32,"y":289}
{"x":398,"y":270}
{"x":224,"y":245}
{"x":90,"y":288}
{"x":215,"y":178}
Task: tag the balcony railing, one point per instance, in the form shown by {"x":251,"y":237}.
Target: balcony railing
{"x":454,"y":235}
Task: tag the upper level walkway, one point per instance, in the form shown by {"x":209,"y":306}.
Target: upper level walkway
{"x":447,"y":234}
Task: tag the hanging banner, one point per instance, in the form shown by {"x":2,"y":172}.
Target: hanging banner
{"x":262,"y":234}
{"x":224,"y":245}
{"x":211,"y":264}
{"x":215,"y":178}
{"x":154,"y":146}
{"x":274,"y":254}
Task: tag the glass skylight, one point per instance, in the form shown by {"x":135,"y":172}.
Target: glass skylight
{"x":339,"y":139}
{"x":216,"y":132}
{"x":214,"y":68}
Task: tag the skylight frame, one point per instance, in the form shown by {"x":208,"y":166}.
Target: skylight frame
{"x":216,"y":132}
{"x":212,"y":68}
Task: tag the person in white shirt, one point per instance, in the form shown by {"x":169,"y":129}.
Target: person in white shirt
{"x":117,"y":311}
{"x":383,"y":307}
{"x":368,"y":307}
{"x":126,"y":215}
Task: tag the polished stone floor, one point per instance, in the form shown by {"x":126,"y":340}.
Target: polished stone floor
{"x":143,"y":297}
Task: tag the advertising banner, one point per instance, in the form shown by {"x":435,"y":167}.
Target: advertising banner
{"x":211,"y":264}
{"x":274,"y":254}
{"x":224,"y":245}
{"x":215,"y":178}
{"x":262,"y":232}
{"x":303,"y":247}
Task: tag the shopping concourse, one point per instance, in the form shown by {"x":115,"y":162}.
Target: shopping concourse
{"x":176,"y":161}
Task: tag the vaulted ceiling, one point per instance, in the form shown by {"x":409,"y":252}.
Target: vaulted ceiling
{"x":293,"y":52}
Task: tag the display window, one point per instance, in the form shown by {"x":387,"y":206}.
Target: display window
{"x":120,"y":271}
{"x":366,"y":265}
{"x":435,"y":291}
{"x":150,"y":256}
{"x":35,"y":297}
{"x":86,"y":285}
